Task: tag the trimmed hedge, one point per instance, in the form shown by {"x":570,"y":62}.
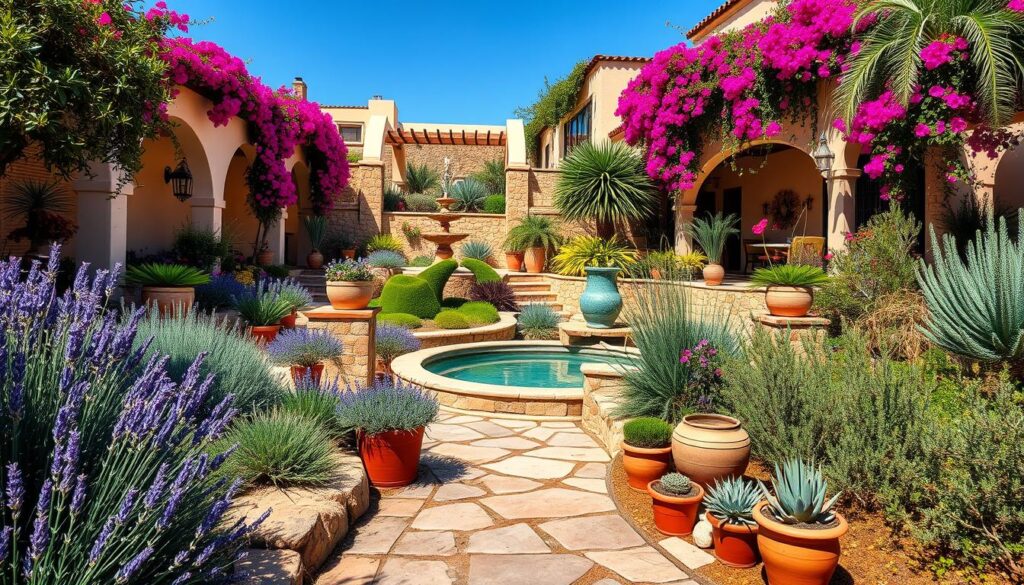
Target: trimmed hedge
{"x":451,"y":320}
{"x":409,"y":294}
{"x":480,"y":313}
{"x":494,"y":204}
{"x":400,"y":319}
{"x":453,"y":302}
{"x":437,"y":276}
{"x":481,"y":270}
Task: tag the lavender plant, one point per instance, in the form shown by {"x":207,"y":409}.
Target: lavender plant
{"x":290,"y":291}
{"x":349,"y":271}
{"x":106,"y":462}
{"x":218,"y":293}
{"x":391,"y":405}
{"x":303,"y":347}
{"x":392,"y":341}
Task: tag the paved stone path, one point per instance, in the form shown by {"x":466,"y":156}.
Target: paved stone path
{"x":504,"y":502}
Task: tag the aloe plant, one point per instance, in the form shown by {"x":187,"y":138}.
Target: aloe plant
{"x":976,"y":303}
{"x":799,"y":494}
{"x":732,"y":500}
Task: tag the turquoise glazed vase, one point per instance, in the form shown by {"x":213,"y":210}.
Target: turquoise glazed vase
{"x":601,"y":301}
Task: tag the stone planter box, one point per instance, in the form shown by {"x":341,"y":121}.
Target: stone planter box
{"x":503,"y":330}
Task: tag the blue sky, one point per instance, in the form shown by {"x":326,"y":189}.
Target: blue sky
{"x":470,"y":62}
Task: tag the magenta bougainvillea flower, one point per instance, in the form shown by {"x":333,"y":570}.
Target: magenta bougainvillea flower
{"x":760,"y":226}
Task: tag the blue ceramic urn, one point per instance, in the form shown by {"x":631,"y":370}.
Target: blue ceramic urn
{"x":601,"y":301}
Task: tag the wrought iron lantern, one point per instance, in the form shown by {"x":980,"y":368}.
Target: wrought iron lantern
{"x":180,"y":180}
{"x":823,"y":156}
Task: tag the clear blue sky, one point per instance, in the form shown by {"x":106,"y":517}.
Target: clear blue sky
{"x":467,"y":61}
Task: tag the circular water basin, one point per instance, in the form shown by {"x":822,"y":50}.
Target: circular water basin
{"x":529,"y":367}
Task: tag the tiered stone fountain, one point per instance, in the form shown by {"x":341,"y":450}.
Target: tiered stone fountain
{"x":444,"y":239}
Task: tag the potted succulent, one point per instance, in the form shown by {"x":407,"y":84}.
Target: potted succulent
{"x":389,"y":419}
{"x":646,"y":450}
{"x":295,"y":295}
{"x":514,"y":259}
{"x":167,"y":286}
{"x":390,"y":342}
{"x":730,"y":508}
{"x":798,"y":532}
{"x":263,"y":310}
{"x":316,"y":229}
{"x":535,"y":235}
{"x":789,"y":288}
{"x":675,"y":500}
{"x":710,"y":234}
{"x":304,"y":351}
{"x":349,"y":284}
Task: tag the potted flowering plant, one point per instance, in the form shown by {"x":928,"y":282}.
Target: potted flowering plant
{"x":789,"y":288}
{"x":389,"y":419}
{"x":263,"y":310}
{"x":798,"y":531}
{"x":730,"y":508}
{"x":390,"y":342}
{"x":349,"y":284}
{"x":710,"y":234}
{"x":675,"y":499}
{"x":170,"y":287}
{"x":304,"y":351}
{"x":646,"y":450}
{"x":297,"y":297}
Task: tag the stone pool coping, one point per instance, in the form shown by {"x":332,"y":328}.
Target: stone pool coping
{"x":494,"y":398}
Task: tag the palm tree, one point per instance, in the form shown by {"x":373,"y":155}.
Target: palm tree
{"x":605,"y":183}
{"x":891,"y":52}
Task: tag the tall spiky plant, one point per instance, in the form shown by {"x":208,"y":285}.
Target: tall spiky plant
{"x":890,"y":55}
{"x":420,"y":178}
{"x":605,"y":183}
{"x":976,"y":303}
{"x":711,"y":233}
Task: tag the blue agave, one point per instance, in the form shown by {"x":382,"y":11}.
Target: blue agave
{"x":799,"y":494}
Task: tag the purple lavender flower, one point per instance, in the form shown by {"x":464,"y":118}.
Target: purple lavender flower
{"x":392,"y":341}
{"x":78,"y":497}
{"x":303,"y":347}
{"x":126,"y":507}
{"x":101,"y":541}
{"x":5,"y":542}
{"x":133,"y":566}
{"x":15,"y":488}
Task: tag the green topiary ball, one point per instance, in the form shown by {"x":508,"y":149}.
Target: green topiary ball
{"x":481,"y":271}
{"x":437,"y":276}
{"x":409,"y":294}
{"x":400,"y":319}
{"x":480,"y":313}
{"x":494,"y":204}
{"x":374,"y":303}
{"x":451,"y":320}
{"x":647,"y":432}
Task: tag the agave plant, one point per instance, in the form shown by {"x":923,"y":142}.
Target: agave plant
{"x":584,"y":251}
{"x":800,"y":493}
{"x":976,"y":306}
{"x":538,"y":321}
{"x":469,"y":195}
{"x":711,"y":233}
{"x":732,"y":500}
{"x":169,"y":275}
{"x":420,"y":178}
{"x":604,"y":182}
{"x":477,"y":250}
{"x":383,"y":242}
{"x":386,"y":259}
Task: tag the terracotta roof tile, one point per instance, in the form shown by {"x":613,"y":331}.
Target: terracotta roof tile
{"x":728,"y":5}
{"x":598,"y":58}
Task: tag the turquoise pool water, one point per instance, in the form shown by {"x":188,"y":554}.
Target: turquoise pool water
{"x":533,"y":369}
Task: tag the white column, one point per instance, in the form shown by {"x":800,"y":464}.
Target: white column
{"x":684,"y":217}
{"x":102,"y":238}
{"x":275,"y":238}
{"x":207,"y":213}
{"x":842,"y":188}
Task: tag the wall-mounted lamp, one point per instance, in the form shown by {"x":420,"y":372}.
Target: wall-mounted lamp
{"x":823,"y":156}
{"x":180,"y":180}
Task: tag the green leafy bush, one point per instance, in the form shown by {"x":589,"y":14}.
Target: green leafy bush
{"x":494,"y":204}
{"x":383,"y":242}
{"x":553,"y":103}
{"x":647,"y":432}
{"x":476,"y":250}
{"x":538,"y":322}
{"x":236,"y":363}
{"x":421,"y":203}
{"x":316,"y":229}
{"x":454,"y":302}
{"x":409,"y":294}
{"x":277,"y":271}
{"x":393,"y":198}
{"x":437,"y":276}
{"x":401,"y":319}
{"x":469,"y":195}
{"x":170,"y":275}
{"x":533,"y":231}
{"x":583,"y":251}
{"x":280,"y":448}
{"x":421,"y":178}
{"x":200,"y":247}
{"x":492,"y":176}
{"x":788,"y":275}
{"x":451,"y":319}
{"x":482,"y":271}
{"x":479,"y":313}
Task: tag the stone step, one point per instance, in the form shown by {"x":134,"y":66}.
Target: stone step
{"x":526,"y":286}
{"x":556,"y":307}
{"x":525,"y":277}
{"x":529,"y":296}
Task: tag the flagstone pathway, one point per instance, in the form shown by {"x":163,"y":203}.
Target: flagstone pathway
{"x":504,"y":502}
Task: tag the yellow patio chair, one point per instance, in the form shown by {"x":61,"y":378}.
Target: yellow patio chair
{"x":807,"y":250}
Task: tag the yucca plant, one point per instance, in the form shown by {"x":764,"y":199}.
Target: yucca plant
{"x":800,"y":492}
{"x":788,"y":275}
{"x":316,"y":229}
{"x":976,"y":305}
{"x":533,"y":231}
{"x":383,"y":242}
{"x":604,"y":182}
{"x":168,"y":275}
{"x":583,"y":251}
{"x":712,"y":232}
{"x":421,"y":178}
{"x":732,"y":500}
{"x":469,"y":195}
{"x":477,"y":250}
{"x":260,"y":306}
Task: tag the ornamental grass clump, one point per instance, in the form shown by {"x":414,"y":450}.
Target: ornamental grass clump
{"x":538,"y":322}
{"x":392,"y":341}
{"x":469,"y":195}
{"x":107,"y":462}
{"x":165,"y":275}
{"x":282,"y":449}
{"x":386,"y":259}
{"x":476,"y":250}
{"x":290,"y":291}
{"x":732,"y":500}
{"x":381,"y":242}
{"x":580,"y":252}
{"x":391,"y":405}
{"x":712,"y":232}
{"x":304,"y":347}
{"x":259,"y":306}
{"x":315,"y":401}
{"x":647,"y":432}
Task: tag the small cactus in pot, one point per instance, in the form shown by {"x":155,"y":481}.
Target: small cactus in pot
{"x":676,"y":499}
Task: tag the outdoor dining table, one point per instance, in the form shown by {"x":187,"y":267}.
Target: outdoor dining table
{"x":772,"y":250}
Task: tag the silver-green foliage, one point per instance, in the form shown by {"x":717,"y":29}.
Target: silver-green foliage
{"x":711,"y":232}
{"x":538,"y":321}
{"x":477,"y":249}
{"x":386,"y":406}
{"x":280,"y":448}
{"x":469,"y":195}
{"x":605,"y":182}
{"x":976,"y":305}
{"x":732,"y":500}
{"x":675,"y":484}
{"x":315,"y":402}
{"x":800,"y":492}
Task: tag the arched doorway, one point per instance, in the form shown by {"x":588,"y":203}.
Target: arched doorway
{"x":296,"y":242}
{"x":1007,"y":191}
{"x":239,"y":223}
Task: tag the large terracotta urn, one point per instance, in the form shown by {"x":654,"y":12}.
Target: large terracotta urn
{"x":707,"y":447}
{"x":714,"y":274}
{"x":535,"y":259}
{"x":795,"y":555}
{"x":169,"y":299}
{"x":789,"y":301}
{"x":601,"y":302}
{"x":315,"y":260}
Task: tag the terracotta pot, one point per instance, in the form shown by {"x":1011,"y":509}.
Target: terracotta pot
{"x":644,"y":465}
{"x":789,"y":301}
{"x":265,"y":258}
{"x":707,"y":447}
{"x":349,"y":295}
{"x":798,"y":556}
{"x":735,"y":544}
{"x":714,"y":274}
{"x":288,"y":322}
{"x":168,"y":299}
{"x":391,"y":458}
{"x":514,"y":261}
{"x":315,"y":373}
{"x":264,"y":334}
{"x":349,"y":253}
{"x":675,"y":516}
{"x":315,"y":260}
{"x":655,"y":274}
{"x":535,"y":259}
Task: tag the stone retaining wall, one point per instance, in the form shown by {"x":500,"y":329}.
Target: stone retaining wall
{"x":602,"y":388}
{"x":481,"y":227}
{"x":503,"y":330}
